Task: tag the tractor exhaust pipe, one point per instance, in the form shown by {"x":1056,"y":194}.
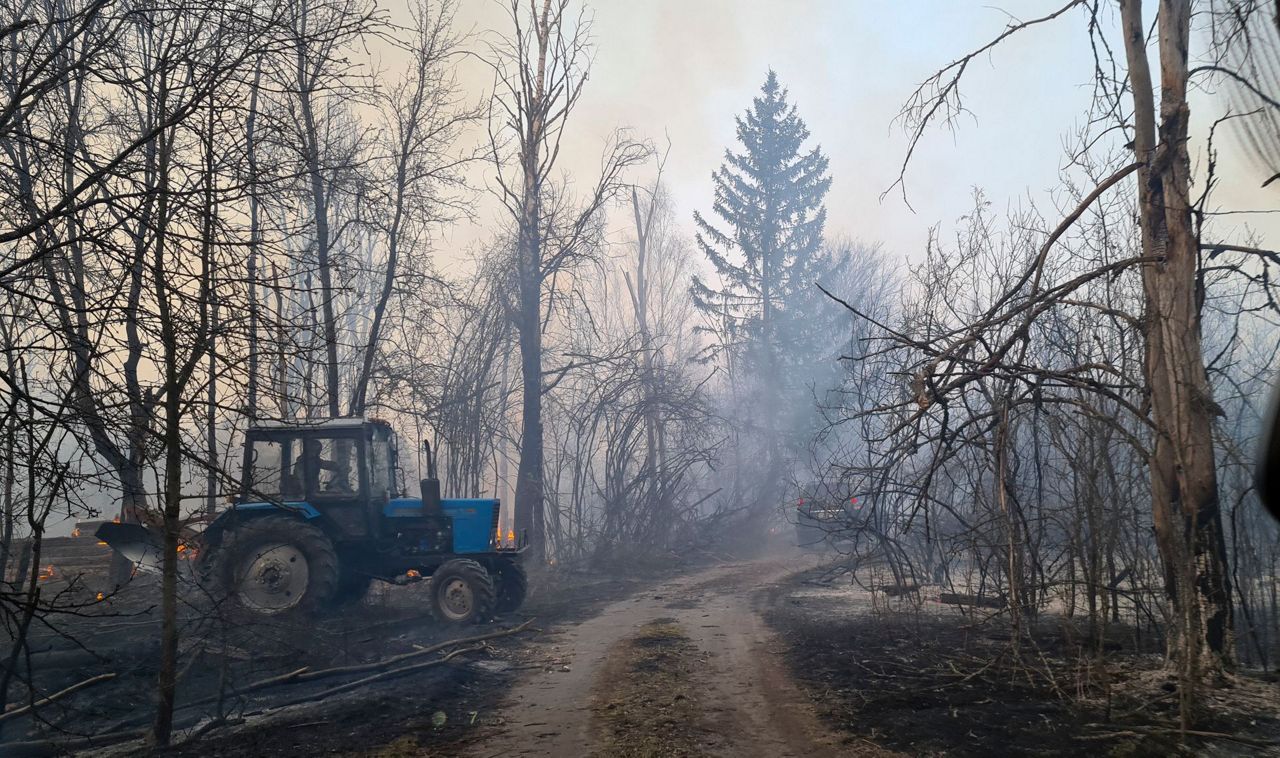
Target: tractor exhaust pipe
{"x":430,"y":485}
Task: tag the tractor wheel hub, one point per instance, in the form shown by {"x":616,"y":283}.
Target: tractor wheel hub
{"x":456,"y":599}
{"x":274,"y":578}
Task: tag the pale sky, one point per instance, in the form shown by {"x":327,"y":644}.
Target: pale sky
{"x":684,"y":68}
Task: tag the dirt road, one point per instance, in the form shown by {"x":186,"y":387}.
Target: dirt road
{"x":747,"y":705}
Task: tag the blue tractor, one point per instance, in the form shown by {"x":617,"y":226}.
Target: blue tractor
{"x":319,"y":518}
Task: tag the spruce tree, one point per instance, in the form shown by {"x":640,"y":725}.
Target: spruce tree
{"x":772,"y":325}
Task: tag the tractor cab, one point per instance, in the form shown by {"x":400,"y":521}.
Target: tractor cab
{"x":342,"y":469}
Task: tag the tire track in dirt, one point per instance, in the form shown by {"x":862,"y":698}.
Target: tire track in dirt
{"x":750,"y":703}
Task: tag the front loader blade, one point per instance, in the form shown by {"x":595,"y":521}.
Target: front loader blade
{"x":141,"y":546}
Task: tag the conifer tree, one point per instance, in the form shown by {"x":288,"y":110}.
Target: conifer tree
{"x":771,"y":325}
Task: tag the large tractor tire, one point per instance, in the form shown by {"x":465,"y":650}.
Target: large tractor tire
{"x":512,"y":585}
{"x":276,"y":566}
{"x":462,"y":592}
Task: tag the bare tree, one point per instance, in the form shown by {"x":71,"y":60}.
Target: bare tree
{"x":425,"y":122}
{"x":541,"y":67}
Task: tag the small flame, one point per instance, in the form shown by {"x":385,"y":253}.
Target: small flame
{"x":413,"y":573}
{"x":511,"y":536}
{"x":115,"y":520}
{"x":75,"y":532}
{"x":46,"y":573}
{"x":100,"y":542}
{"x":100,"y":596}
{"x":182,"y":548}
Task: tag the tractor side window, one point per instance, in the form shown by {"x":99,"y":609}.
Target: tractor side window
{"x":380,"y":467}
{"x":271,"y":475}
{"x":337,"y":468}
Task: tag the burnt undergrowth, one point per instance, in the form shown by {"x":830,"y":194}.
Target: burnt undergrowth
{"x":244,"y":688}
{"x":925,"y":679}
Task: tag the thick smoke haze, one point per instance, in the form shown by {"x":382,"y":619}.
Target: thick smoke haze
{"x":680,"y":70}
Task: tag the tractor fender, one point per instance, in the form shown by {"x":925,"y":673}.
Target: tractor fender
{"x":212,"y":535}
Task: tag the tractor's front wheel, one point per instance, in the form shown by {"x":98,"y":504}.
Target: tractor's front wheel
{"x":276,"y":565}
{"x":462,"y":592}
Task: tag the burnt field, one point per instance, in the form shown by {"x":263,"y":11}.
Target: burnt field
{"x":916,"y":676}
{"x":383,"y":677}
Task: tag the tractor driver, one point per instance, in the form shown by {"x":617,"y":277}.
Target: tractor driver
{"x":311,"y":459}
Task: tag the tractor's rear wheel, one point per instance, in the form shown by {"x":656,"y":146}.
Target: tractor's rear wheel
{"x":512,"y":585}
{"x":462,"y":592}
{"x":276,"y":565}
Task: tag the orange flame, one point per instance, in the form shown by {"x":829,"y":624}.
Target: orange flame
{"x":100,"y":596}
{"x":46,"y":573}
{"x":511,"y":537}
{"x":100,"y":542}
{"x":414,"y":573}
{"x":75,"y":532}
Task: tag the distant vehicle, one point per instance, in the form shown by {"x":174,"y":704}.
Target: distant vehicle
{"x":822,"y":517}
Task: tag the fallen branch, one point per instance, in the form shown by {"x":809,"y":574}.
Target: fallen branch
{"x":308,"y":676}
{"x":15,"y":712}
{"x":41,"y":748}
{"x":1142,"y":731}
{"x":209,"y":726}
{"x":378,"y":677}
{"x":305,"y":674}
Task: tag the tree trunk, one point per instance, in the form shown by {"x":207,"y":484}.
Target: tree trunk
{"x":167,"y":682}
{"x":320,"y":212}
{"x":529,"y":515}
{"x":255,"y":240}
{"x":1184,"y":485}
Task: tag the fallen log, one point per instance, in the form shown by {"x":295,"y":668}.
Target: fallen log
{"x":898,"y":590}
{"x":978,"y":601}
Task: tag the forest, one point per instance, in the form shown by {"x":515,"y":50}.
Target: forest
{"x":1041,"y":422}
